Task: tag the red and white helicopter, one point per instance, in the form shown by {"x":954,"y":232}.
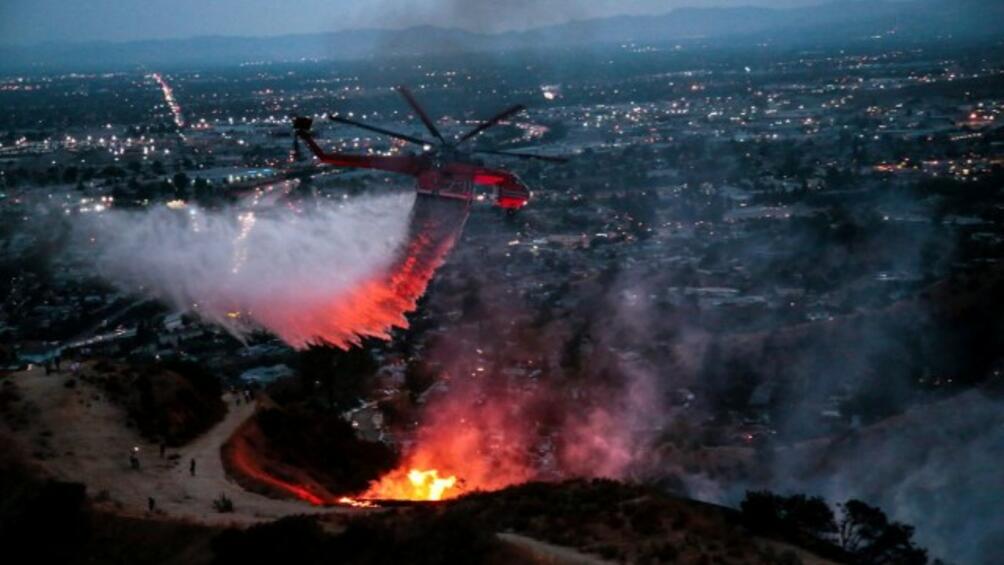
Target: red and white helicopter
{"x":444,"y":168}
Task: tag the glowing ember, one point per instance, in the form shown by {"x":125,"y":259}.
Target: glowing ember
{"x":346,"y":501}
{"x":414,"y":484}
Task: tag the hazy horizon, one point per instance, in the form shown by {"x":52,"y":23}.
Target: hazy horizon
{"x":24,"y":22}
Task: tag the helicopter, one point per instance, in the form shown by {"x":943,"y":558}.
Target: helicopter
{"x":445,"y":168}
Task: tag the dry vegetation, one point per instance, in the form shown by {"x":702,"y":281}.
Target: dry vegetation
{"x":601,"y":519}
{"x":316,"y":451}
{"x":171,"y":402}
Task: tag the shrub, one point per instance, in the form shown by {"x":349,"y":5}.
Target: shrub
{"x":223,"y":504}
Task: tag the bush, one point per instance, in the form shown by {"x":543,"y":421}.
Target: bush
{"x":223,"y":504}
{"x":668,"y":553}
{"x":646,"y":519}
{"x":325,"y":446}
{"x":769,"y":513}
{"x":289,"y":540}
{"x":47,"y":520}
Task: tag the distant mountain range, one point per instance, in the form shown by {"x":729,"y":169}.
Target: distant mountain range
{"x":838,"y":22}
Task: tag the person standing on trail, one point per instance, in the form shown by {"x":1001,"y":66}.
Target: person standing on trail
{"x":151,"y":503}
{"x":191,"y":467}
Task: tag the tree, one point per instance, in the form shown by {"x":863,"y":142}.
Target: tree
{"x":112,"y":172}
{"x":181,"y":183}
{"x":119,"y":193}
{"x":49,"y":521}
{"x":341,"y":375}
{"x":203,"y":192}
{"x":767,"y":512}
{"x":70,"y":174}
{"x":418,"y":377}
{"x":811,"y":514}
{"x":866,"y":533}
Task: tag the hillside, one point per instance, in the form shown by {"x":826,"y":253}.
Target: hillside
{"x":69,"y":463}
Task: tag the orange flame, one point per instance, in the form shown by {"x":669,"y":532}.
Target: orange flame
{"x":413,"y":484}
{"x":240,"y":456}
{"x":462,"y":446}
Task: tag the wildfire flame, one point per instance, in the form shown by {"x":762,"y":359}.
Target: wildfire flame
{"x":355,"y":503}
{"x":414,"y":484}
{"x":240,"y":455}
{"x":462,"y":446}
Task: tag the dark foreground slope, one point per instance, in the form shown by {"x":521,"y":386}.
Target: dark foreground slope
{"x":45,"y":521}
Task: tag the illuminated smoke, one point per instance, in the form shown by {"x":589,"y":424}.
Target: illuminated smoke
{"x":505,"y":411}
{"x":482,"y":437}
{"x":613,"y":436}
{"x":333,"y":274}
{"x":488,"y":431}
{"x":479,"y":438}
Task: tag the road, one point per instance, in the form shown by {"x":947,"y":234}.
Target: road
{"x":76,"y":434}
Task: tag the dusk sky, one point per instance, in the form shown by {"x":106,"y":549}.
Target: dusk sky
{"x":32,"y":21}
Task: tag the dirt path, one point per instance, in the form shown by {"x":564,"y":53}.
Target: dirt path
{"x":78,"y":435}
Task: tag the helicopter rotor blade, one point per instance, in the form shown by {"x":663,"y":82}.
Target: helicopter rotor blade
{"x":492,"y":121}
{"x":548,"y":158}
{"x":429,"y":125}
{"x":301,"y":125}
{"x":375,"y":129}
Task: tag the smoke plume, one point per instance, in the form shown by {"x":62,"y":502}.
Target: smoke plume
{"x":503,"y":409}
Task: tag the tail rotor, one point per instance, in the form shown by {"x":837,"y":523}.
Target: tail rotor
{"x":301,"y":127}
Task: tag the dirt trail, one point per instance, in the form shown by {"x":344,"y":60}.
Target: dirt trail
{"x":78,"y":435}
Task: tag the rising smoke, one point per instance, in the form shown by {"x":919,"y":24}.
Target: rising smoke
{"x":503,"y":410}
{"x":673,"y":409}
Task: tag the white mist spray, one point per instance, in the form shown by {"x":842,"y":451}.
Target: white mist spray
{"x":251,"y":269}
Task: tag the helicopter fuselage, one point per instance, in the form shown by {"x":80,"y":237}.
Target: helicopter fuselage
{"x":435,"y":174}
